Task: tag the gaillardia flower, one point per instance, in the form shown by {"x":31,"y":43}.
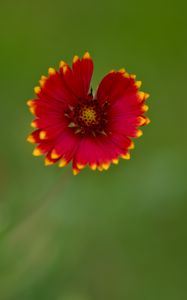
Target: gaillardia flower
{"x":73,"y":125}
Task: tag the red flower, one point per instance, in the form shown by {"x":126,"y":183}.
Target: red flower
{"x":73,"y":125}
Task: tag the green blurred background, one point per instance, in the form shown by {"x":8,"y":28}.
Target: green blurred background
{"x":120,"y":234}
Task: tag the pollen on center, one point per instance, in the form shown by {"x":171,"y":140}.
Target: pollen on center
{"x":88,"y":115}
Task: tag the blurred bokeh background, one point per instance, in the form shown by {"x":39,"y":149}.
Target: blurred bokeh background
{"x":121,"y":234}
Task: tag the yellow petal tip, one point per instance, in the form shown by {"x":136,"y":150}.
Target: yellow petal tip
{"x":33,"y":124}
{"x":138,"y":84}
{"x":54,"y":155}
{"x":106,"y":166}
{"x":31,"y":139}
{"x":48,"y":162}
{"x":51,"y":71}
{"x":65,"y":69}
{"x":133,"y":76}
{"x":62,"y":64}
{"x":42,"y":135}
{"x":141,"y":121}
{"x":29,"y":103}
{"x":139,"y":133}
{"x":86,"y":55}
{"x":147,"y":121}
{"x":147,"y":96}
{"x":42,"y":81}
{"x":131,"y":146}
{"x":37,"y":152}
{"x":125,"y":156}
{"x":62,"y":163}
{"x":75,"y":59}
{"x":145,"y":107}
{"x":32,"y":109}
{"x":122,"y":70}
{"x":80,"y":166}
{"x":75,"y":172}
{"x":100,"y":168}
{"x":37,"y":90}
{"x":115,"y":161}
{"x":93,"y":167}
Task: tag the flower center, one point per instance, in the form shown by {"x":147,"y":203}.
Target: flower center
{"x":88,"y":117}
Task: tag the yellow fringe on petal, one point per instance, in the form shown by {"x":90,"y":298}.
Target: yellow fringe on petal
{"x":126,"y":156}
{"x":31,"y":139}
{"x":54,"y":155}
{"x":93,"y":167}
{"x":138,"y":84}
{"x":75,"y":172}
{"x":48,"y":162}
{"x":37,"y":152}
{"x":106,"y":166}
{"x":75,"y":59}
{"x":139,"y":133}
{"x":51,"y":71}
{"x":62,"y":64}
{"x":86,"y":55}
{"x":62,"y":163}
{"x":33,"y":124}
{"x":115,"y":161}
{"x":80,"y":166}
{"x":37,"y":90}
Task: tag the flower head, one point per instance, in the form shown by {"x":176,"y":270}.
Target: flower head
{"x":73,"y":125}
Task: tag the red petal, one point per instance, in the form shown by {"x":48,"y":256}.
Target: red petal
{"x":113,"y":86}
{"x":82,"y":74}
{"x":97,"y":151}
{"x":66,"y":145}
{"x":55,"y":88}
